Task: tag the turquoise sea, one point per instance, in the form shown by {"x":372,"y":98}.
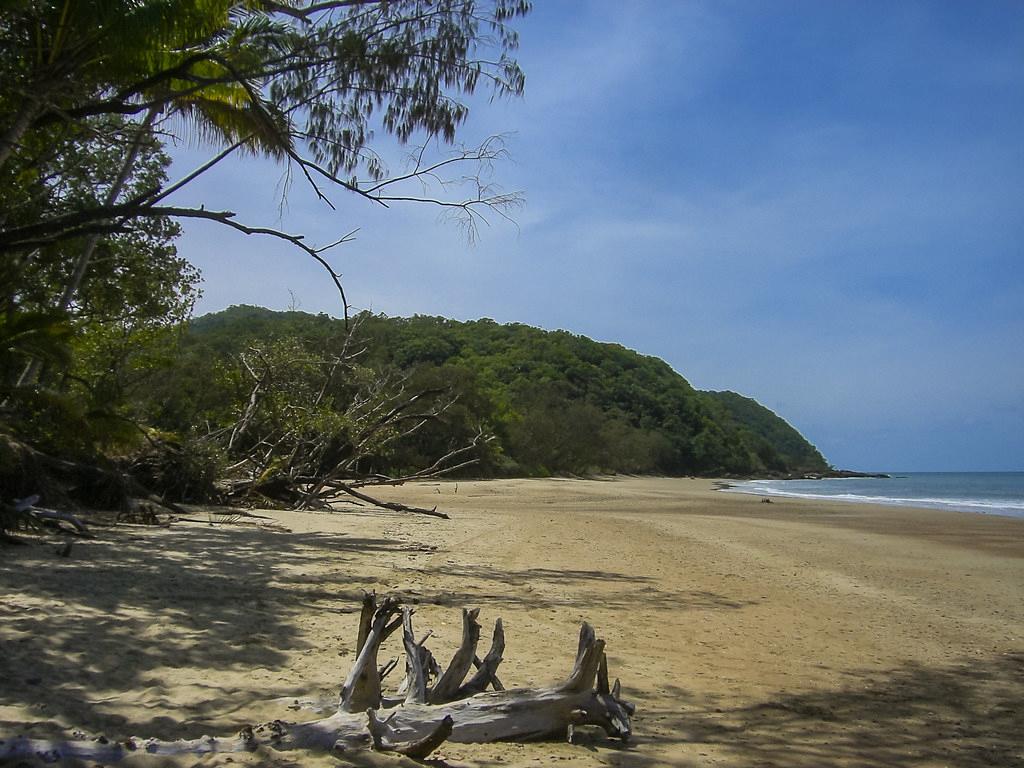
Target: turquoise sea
{"x":991,"y":493}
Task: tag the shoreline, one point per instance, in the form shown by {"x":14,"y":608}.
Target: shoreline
{"x":963,"y":506}
{"x":794,"y":634}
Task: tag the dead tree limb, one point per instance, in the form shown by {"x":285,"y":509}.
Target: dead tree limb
{"x":419,"y":749}
{"x":361,"y":689}
{"x":305,"y":447}
{"x":448,"y":686}
{"x":416,"y":665}
{"x":486,"y":670}
{"x":392,"y":505}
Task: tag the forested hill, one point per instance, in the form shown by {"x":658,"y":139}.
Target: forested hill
{"x":555,"y":402}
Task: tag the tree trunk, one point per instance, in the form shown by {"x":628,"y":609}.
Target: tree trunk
{"x":12,"y":136}
{"x":34,"y":366}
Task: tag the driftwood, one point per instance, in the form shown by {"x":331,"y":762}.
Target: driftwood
{"x":133,"y":510}
{"x":437,"y":706}
{"x":49,"y":517}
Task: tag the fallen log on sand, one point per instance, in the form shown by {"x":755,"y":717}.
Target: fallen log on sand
{"x":436,"y":706}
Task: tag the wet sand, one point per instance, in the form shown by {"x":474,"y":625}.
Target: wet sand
{"x":800,"y":633}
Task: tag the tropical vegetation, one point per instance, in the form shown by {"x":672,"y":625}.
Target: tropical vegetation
{"x":552,"y":402}
{"x":92,"y":291}
{"x":108,"y":393}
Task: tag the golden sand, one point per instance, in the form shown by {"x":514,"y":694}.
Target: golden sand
{"x":747,"y":634}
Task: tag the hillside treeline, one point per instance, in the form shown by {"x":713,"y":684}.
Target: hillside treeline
{"x":552,"y":402}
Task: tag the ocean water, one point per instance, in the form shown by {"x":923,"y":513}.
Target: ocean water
{"x":991,"y":493}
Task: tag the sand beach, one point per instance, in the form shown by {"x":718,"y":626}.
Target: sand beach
{"x":798,"y":633}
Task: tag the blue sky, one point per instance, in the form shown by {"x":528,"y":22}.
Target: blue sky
{"x":819,"y":205}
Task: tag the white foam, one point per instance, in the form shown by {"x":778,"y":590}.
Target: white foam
{"x":981,"y":506}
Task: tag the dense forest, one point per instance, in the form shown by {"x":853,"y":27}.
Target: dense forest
{"x":551,"y":402}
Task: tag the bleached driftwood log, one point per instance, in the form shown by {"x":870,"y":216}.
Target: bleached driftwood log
{"x":452,"y":708}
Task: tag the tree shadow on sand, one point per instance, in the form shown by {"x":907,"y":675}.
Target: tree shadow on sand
{"x":968,"y":715}
{"x":124,"y":608}
{"x":548,"y":588}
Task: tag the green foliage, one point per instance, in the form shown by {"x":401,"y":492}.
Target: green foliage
{"x":119,"y":328}
{"x":24,"y":335}
{"x":134,"y":274}
{"x":273,"y":79}
{"x":556,"y":402}
{"x":776,"y":443}
{"x":182,"y":470}
{"x":92,"y":291}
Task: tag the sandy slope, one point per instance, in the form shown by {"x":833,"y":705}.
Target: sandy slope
{"x":791,"y":634}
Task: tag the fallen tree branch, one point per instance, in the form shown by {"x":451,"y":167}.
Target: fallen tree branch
{"x":392,"y":505}
{"x":52,"y":515}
